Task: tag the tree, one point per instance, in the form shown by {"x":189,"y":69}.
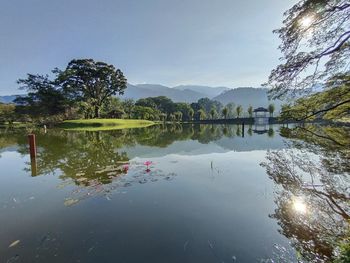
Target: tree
{"x":7,"y":113}
{"x":315,"y":45}
{"x":164,"y":104}
{"x":178,"y":115}
{"x":250,"y":111}
{"x":161,"y":103}
{"x":184,"y":108}
{"x":318,"y":185}
{"x":146,"y":102}
{"x":225,"y":112}
{"x":213,"y":113}
{"x":231,"y":109}
{"x":85,"y":109}
{"x":112,"y":108}
{"x":146,"y":113}
{"x":128,"y":107}
{"x":191,"y":113}
{"x":201,"y":114}
{"x":332,"y":103}
{"x":271,"y":109}
{"x":239,"y":110}
{"x":172,"y":117}
{"x":87,"y":80}
{"x":44,"y":97}
{"x":207,"y":105}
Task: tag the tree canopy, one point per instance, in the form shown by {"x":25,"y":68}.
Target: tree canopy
{"x":315,"y":45}
{"x":88,"y":80}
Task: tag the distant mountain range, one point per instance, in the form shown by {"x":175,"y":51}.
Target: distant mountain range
{"x":178,"y":94}
{"x":8,"y":99}
{"x":244,"y":96}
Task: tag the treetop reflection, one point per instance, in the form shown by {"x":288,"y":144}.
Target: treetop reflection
{"x":313,"y":199}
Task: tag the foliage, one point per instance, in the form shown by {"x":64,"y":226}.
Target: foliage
{"x":146,"y":113}
{"x":185,"y":110}
{"x":190,"y":114}
{"x":231,"y":109}
{"x":207,"y":105}
{"x":178,"y":115}
{"x":250,"y":111}
{"x":333,"y":103}
{"x":112,"y":108}
{"x":225,"y":112}
{"x":239,"y":110}
{"x":7,"y":113}
{"x":318,"y":184}
{"x":213,"y":113}
{"x":128,"y":107}
{"x":344,"y":247}
{"x":201,"y":114}
{"x":271,"y":109}
{"x":315,"y":45}
{"x":92,"y":82}
{"x":44,"y":97}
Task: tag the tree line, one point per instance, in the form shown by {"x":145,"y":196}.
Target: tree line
{"x":89,"y":89}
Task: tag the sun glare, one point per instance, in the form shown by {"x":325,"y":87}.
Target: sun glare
{"x":299,"y":206}
{"x":306,"y":21}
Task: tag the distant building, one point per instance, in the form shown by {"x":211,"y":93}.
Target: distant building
{"x":260,"y":116}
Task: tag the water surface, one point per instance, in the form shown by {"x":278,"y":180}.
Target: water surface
{"x":174,"y":194}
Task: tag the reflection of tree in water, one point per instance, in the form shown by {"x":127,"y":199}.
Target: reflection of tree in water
{"x":127,"y":175}
{"x":313,"y":202}
{"x":91,"y":161}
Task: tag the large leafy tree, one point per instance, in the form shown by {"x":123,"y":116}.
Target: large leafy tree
{"x":44,"y":97}
{"x":315,"y":45}
{"x":161,"y":103}
{"x":95,"y":82}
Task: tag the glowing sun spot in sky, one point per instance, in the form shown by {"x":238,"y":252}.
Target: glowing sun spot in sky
{"x":306,"y":21}
{"x":299,"y":206}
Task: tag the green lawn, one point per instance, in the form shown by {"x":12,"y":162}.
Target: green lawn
{"x":104,"y":124}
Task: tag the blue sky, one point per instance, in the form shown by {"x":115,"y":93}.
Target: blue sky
{"x":171,"y":42}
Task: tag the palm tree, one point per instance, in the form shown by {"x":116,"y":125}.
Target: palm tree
{"x":201,"y":114}
{"x":271,"y":109}
{"x":213,"y":113}
{"x":225,"y":112}
{"x":178,"y":115}
{"x":190,"y":113}
{"x":239,"y":110}
{"x":250,"y":111}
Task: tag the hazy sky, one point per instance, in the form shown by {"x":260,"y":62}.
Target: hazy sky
{"x":171,"y":42}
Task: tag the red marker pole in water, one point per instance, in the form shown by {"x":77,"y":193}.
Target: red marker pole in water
{"x":32,"y":151}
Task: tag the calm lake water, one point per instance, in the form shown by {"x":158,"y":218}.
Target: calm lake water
{"x":175,"y":194}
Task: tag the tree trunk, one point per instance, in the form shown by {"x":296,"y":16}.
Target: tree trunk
{"x":97,"y":111}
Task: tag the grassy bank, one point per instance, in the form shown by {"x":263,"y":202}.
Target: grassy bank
{"x":104,"y":124}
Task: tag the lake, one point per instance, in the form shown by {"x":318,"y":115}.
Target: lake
{"x":175,"y":193}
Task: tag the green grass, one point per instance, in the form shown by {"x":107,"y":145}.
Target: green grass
{"x":15,"y":124}
{"x":104,"y":124}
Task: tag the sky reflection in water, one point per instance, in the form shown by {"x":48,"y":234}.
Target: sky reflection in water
{"x":188,"y":194}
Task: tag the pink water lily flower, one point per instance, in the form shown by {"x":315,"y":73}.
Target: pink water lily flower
{"x":125,"y":167}
{"x":147,"y":163}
